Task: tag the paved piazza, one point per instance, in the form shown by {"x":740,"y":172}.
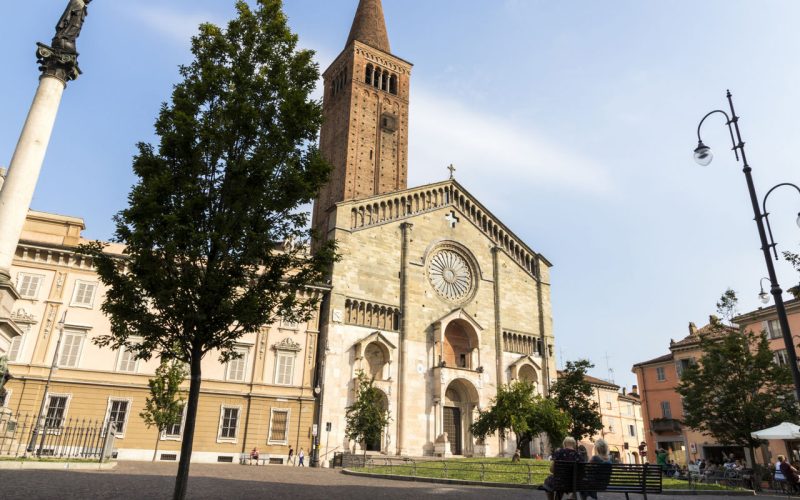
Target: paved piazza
{"x":136,"y":480}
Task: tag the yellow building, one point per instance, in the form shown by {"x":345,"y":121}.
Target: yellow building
{"x":263,"y":400}
{"x":623,"y":425}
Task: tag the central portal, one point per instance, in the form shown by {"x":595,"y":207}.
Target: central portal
{"x":452,"y":426}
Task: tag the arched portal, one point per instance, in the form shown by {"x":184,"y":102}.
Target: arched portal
{"x":377,"y":445}
{"x":377,"y":357}
{"x":460,"y":401}
{"x":527,"y":373}
{"x":459,"y":349}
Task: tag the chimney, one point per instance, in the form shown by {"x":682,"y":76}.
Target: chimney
{"x":692,"y":329}
{"x":624,"y":391}
{"x":634,"y":389}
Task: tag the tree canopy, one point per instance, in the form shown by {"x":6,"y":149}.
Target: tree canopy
{"x":236,"y":163}
{"x":575,"y":396}
{"x":517,"y":408}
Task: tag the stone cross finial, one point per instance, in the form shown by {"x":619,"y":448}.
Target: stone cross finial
{"x":452,"y":170}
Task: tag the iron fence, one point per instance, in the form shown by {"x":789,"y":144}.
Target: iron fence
{"x":72,"y":438}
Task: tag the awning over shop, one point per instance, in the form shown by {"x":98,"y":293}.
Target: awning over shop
{"x":786,"y":430}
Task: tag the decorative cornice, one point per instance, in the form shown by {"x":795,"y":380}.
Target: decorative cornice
{"x":287,"y":344}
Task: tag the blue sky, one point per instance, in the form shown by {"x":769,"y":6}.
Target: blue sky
{"x":573,"y":121}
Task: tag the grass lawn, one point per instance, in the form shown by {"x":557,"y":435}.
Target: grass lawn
{"x":495,"y":470}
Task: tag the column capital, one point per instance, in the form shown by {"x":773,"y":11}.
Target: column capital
{"x":57,"y":63}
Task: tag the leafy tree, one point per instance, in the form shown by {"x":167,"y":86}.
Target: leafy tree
{"x":794,"y":260}
{"x":550,"y":420}
{"x":367,"y":417}
{"x":573,"y":394}
{"x":736,"y":387}
{"x":517,"y":408}
{"x":510,"y":410}
{"x":237,"y":160}
{"x":164,"y":407}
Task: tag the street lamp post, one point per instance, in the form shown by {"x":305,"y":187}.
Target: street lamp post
{"x":53,"y":367}
{"x":703,"y":156}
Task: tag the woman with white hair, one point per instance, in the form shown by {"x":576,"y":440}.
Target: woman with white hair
{"x":567,"y":453}
{"x":601,"y":456}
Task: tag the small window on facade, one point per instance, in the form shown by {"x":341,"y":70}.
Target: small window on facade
{"x":83,"y":295}
{"x":631,"y":430}
{"x":377,"y":79}
{"x":279,"y":427}
{"x":661,"y":375}
{"x":781,"y":357}
{"x":368,"y":75}
{"x":393,"y":85}
{"x":56,"y":408}
{"x":174,"y":431}
{"x":17,"y":342}
{"x":28,"y":285}
{"x":118,"y":414}
{"x":71,"y":346}
{"x":127,"y":361}
{"x":666,"y":411}
{"x":284,"y":368}
{"x":236,"y":367}
{"x":774,"y":329}
{"x":229,"y":423}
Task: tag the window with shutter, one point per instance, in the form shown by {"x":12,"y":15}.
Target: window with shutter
{"x":83,"y":296}
{"x":284,"y":368}
{"x":28,"y":285}
{"x":71,"y":346}
{"x":279,"y":427}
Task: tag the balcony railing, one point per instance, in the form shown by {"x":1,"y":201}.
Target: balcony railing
{"x":665,"y":425}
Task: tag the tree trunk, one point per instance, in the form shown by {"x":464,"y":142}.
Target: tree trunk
{"x":158,"y":438}
{"x":182,"y":479}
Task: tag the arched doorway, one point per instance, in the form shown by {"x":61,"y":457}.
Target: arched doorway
{"x":377,"y":445}
{"x":460,"y":400}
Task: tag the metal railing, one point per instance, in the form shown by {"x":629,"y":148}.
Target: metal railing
{"x":73,"y":438}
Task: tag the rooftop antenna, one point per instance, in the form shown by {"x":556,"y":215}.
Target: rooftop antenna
{"x":609,"y":369}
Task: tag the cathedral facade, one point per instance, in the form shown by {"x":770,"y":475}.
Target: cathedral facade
{"x":434,"y":297}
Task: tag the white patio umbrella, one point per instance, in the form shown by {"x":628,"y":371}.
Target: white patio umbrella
{"x":786,"y":430}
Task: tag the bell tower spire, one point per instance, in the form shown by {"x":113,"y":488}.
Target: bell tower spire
{"x":369,"y":26}
{"x":364,"y":134}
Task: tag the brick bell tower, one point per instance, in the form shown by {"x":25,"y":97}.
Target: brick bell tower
{"x":365,"y":107}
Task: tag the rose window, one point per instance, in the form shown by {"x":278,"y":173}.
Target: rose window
{"x":450,"y":275}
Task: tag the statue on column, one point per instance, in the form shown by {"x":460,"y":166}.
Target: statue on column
{"x":61,"y":60}
{"x":69,"y":26}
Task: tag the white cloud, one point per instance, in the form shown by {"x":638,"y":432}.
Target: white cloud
{"x":492,"y":148}
{"x":173,"y":23}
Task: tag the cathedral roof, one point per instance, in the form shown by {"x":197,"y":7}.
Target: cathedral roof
{"x":369,"y":26}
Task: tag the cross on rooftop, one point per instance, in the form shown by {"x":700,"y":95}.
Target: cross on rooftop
{"x":452,"y":170}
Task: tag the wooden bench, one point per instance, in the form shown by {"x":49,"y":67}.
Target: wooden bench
{"x":581,"y":478}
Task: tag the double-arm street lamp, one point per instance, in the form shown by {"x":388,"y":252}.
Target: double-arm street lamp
{"x":703,"y":156}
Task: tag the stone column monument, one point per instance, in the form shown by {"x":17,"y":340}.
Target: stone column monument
{"x":58,"y":64}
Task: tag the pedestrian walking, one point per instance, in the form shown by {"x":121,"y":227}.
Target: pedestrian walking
{"x":300,"y":456}
{"x":291,"y":455}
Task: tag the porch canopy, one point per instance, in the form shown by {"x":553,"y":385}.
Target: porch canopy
{"x":786,"y":430}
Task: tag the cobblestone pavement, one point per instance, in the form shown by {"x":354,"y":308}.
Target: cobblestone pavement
{"x":144,"y":480}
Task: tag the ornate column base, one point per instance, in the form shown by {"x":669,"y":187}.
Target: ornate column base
{"x":8,"y":296}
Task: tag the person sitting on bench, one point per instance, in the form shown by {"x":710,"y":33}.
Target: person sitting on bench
{"x":254,"y":456}
{"x":601,"y":476}
{"x":567,"y":453}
